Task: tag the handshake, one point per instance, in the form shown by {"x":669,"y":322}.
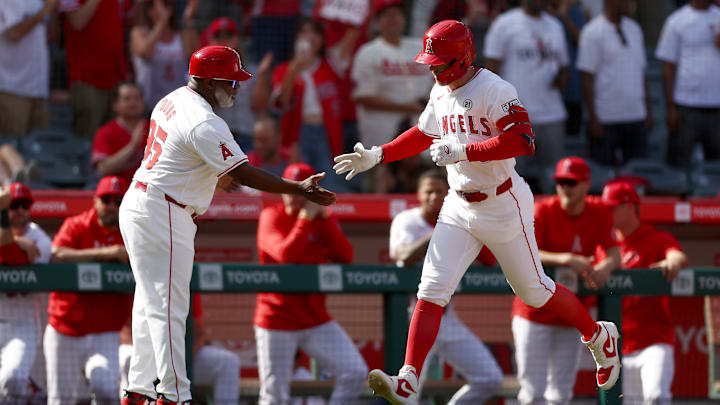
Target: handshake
{"x":442,"y":152}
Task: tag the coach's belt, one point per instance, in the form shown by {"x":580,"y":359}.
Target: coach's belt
{"x":143,"y":187}
{"x":478,"y":196}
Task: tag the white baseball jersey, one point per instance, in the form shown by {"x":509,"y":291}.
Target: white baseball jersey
{"x":189,"y":147}
{"x":466,"y":115}
{"x":407,"y":227}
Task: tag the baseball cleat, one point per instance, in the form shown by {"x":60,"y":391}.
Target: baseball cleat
{"x":133,"y":398}
{"x":604,"y":348}
{"x":398,"y":390}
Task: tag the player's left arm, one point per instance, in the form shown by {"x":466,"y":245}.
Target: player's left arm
{"x":675,"y":259}
{"x":602,"y":270}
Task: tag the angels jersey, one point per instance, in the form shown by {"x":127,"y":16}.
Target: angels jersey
{"x":466,"y":115}
{"x":188,"y":148}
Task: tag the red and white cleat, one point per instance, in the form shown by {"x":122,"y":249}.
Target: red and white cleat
{"x":400,"y":389}
{"x":133,"y":398}
{"x":604,"y":348}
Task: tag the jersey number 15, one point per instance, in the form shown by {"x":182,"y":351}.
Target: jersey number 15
{"x":153,"y":145}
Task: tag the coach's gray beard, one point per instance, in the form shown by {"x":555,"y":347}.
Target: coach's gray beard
{"x":224,"y":100}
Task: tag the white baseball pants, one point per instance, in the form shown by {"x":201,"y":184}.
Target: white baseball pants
{"x":505,"y":224}
{"x":547,"y":360}
{"x":648,"y":375}
{"x":332,"y":349}
{"x":70,"y":358}
{"x":457,"y":345}
{"x":159,"y":237}
{"x":18,"y":346}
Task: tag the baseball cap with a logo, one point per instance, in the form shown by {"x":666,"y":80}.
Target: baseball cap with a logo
{"x":298,"y":171}
{"x":222,"y":24}
{"x":20,"y":192}
{"x":619,"y":193}
{"x":114,"y":185}
{"x":572,"y":167}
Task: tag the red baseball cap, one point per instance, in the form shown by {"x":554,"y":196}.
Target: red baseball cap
{"x":222,"y":24}
{"x":381,"y":5}
{"x":298,"y":171}
{"x":572,"y":167}
{"x":111,"y":185}
{"x":618,"y":193}
{"x":19,"y":191}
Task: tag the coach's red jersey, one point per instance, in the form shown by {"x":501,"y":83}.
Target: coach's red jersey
{"x":288,"y":239}
{"x":556,"y":231}
{"x":79,"y":314}
{"x":646,"y":320}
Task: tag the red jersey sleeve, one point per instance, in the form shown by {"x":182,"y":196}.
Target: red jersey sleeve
{"x":666,"y":242}
{"x":12,"y":255}
{"x":102,"y":146}
{"x":276,"y":82}
{"x":67,"y":236}
{"x":339,"y":248}
{"x":271,"y":240}
{"x":605,"y":225}
{"x":541,"y":221}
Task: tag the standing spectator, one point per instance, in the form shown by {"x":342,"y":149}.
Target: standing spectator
{"x":24,"y":86}
{"x":267,"y":153}
{"x":160,"y":49}
{"x":647,"y":327}
{"x":390,"y":86}
{"x":118,"y":145}
{"x":95,"y":51}
{"x":300,"y":232}
{"x":689,"y":48}
{"x":273,"y":25}
{"x":82,"y":336}
{"x":22,"y":242}
{"x":569,"y":227}
{"x":410,"y":234}
{"x":306,"y":90}
{"x":526,"y":46}
{"x":612,"y":61}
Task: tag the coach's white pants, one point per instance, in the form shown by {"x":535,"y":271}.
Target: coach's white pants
{"x":159,"y":237}
{"x":505,"y":224}
{"x":648,"y":375}
{"x":70,"y":358}
{"x":547,"y":361}
{"x":457,"y":345}
{"x":18,"y":346}
{"x":332,"y":349}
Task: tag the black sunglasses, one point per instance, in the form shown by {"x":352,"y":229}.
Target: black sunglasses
{"x":20,"y":204}
{"x":566,"y":182}
{"x":109,"y":199}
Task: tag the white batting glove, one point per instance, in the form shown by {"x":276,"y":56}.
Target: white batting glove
{"x":359,"y":161}
{"x":444,"y":153}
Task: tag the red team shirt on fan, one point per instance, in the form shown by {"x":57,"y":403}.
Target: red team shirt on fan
{"x":79,"y":314}
{"x":646,"y":320}
{"x":12,"y":255}
{"x":289,"y":239}
{"x":556,"y":231}
{"x":109,"y":139}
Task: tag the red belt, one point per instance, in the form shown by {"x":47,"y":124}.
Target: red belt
{"x":143,"y":187}
{"x":478,"y":196}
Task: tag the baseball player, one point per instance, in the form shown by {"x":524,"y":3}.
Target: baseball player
{"x":410,"y":235}
{"x":82,"y":335}
{"x":301,"y":232}
{"x":568,"y":228}
{"x":475,"y":125}
{"x":647,"y":326}
{"x":188,"y":149}
{"x":19,"y":313}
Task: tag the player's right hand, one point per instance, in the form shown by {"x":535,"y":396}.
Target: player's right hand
{"x":359,"y":161}
{"x":313,"y":192}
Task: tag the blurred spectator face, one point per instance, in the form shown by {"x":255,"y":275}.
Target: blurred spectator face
{"x":223,"y":31}
{"x":391,"y":22}
{"x":431,"y":194}
{"x":296,"y":172}
{"x":623,"y":214}
{"x":293,"y":203}
{"x":108,"y":196}
{"x":309,"y":39}
{"x":19,"y":213}
{"x":536,"y":6}
{"x":265,"y":139}
{"x":571,"y":191}
{"x":129,"y":101}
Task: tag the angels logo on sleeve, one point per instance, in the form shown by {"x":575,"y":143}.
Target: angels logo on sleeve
{"x":225,"y":151}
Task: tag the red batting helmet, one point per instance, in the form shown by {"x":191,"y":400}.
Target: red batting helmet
{"x":217,"y":62}
{"x":448,"y":41}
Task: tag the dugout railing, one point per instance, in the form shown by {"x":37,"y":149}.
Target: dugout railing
{"x":348,"y":279}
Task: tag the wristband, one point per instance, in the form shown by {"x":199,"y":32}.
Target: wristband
{"x":4,"y":219}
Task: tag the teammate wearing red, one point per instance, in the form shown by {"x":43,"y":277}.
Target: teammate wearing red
{"x":647,"y":326}
{"x":568,"y":228}
{"x":301,"y":232}
{"x":82,"y":339}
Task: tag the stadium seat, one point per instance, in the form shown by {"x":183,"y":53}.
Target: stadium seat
{"x":63,"y":159}
{"x":706,"y":179}
{"x":662,"y":179}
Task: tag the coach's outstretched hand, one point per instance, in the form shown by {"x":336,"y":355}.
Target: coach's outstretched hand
{"x":313,"y":192}
{"x":359,"y":161}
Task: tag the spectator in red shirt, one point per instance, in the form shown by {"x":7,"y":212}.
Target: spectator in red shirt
{"x":302,"y":233}
{"x":647,"y":327}
{"x":119,"y":144}
{"x":267,"y":153}
{"x":82,"y":336}
{"x":95,"y":48}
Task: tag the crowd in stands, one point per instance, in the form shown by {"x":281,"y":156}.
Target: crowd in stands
{"x":328,"y":74}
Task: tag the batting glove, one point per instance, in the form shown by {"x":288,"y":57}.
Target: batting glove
{"x":444,"y":153}
{"x":358,"y":162}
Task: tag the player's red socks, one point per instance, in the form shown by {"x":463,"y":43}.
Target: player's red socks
{"x":424,"y":328}
{"x":566,"y":305}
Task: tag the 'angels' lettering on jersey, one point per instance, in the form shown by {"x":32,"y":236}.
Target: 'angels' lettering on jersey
{"x":461,"y":124}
